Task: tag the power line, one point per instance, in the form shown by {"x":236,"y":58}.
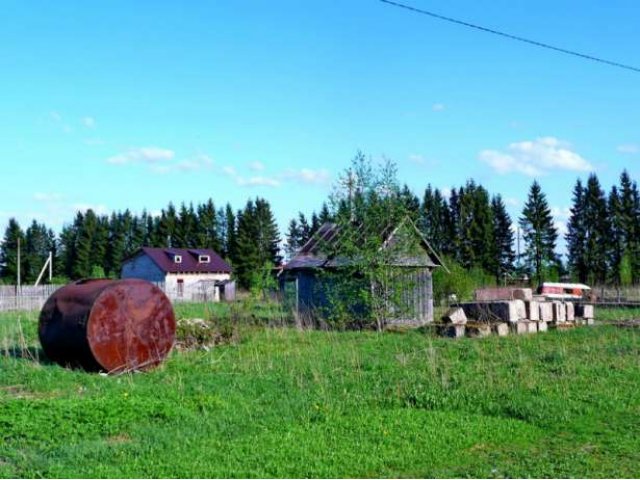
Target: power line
{"x":511,"y":37}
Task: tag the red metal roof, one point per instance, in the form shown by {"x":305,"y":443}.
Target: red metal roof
{"x":164,"y":258}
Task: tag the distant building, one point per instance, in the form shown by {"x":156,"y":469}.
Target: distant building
{"x":185,"y":274}
{"x":305,"y":285}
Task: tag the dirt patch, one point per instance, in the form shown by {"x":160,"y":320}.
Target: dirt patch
{"x":118,"y":439}
{"x":19,"y":392}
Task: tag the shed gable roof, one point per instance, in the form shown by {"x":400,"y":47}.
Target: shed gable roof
{"x":316,"y":253}
{"x":164,"y":259}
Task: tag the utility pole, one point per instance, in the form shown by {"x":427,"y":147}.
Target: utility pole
{"x":48,"y":263}
{"x":18,"y":266}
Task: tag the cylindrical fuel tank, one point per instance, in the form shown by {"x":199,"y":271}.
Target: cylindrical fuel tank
{"x":110,"y":325}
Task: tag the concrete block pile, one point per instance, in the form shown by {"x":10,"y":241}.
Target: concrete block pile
{"x":501,"y":311}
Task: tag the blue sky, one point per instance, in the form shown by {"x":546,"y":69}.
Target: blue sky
{"x":121,"y":104}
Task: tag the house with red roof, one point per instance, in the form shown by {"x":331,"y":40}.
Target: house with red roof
{"x":187,"y":274}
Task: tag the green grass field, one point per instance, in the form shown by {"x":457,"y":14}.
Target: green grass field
{"x":289,"y":403}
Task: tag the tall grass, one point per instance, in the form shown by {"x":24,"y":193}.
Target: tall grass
{"x":299,"y":403}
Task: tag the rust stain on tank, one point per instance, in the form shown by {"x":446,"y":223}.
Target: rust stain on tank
{"x":110,"y":325}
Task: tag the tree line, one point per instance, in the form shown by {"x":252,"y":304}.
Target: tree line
{"x":95,"y":245}
{"x":472,"y":228}
{"x":467,"y":225}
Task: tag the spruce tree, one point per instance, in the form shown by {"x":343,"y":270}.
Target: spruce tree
{"x":168,"y":226}
{"x":292,"y":239}
{"x":305,"y":230}
{"x":9,"y":252}
{"x":539,"y":234}
{"x":207,"y":227}
{"x":247,"y":258}
{"x":576,"y":235}
{"x":617,"y":260}
{"x":38,"y":244}
{"x":503,"y":253}
{"x":596,"y":227}
{"x":433,"y":219}
{"x":230,"y":244}
{"x":86,"y":225}
{"x":630,"y":222}
{"x":117,"y":247}
{"x":475,"y":227}
{"x":324,"y":215}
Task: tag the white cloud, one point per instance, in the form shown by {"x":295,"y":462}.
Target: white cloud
{"x":417,"y":159}
{"x":47,"y":197}
{"x":562,"y":213}
{"x":256,"y":166}
{"x":308,"y":176}
{"x":561,"y":228}
{"x":257,"y":182}
{"x":89,"y":122}
{"x":194,"y":164}
{"x":142,"y":155}
{"x":535,"y":158}
{"x":511,"y":202}
{"x":629,"y":148}
{"x":438,"y":107}
{"x":230,"y":171}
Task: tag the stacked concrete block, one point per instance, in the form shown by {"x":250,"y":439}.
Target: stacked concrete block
{"x":559,"y":312}
{"x":584,"y":310}
{"x":522,"y":313}
{"x":545,"y":311}
{"x":500,"y":329}
{"x":456,"y":316}
{"x":533,"y":310}
{"x":506,"y":311}
{"x":521,"y":327}
{"x":525,"y":294}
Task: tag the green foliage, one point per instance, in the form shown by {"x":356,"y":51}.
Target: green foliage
{"x":257,"y":240}
{"x":290,"y":403}
{"x":625,"y":269}
{"x":369,"y":207}
{"x":9,"y":251}
{"x":263,"y":281}
{"x":502,"y":261}
{"x":458,"y":281}
{"x":97,"y":272}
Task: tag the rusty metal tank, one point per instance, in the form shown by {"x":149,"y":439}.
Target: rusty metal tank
{"x":109,"y":325}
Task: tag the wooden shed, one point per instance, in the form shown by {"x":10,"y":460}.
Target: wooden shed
{"x":308,"y":278}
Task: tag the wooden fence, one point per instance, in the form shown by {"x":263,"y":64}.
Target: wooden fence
{"x":606,"y":294}
{"x":33,"y":298}
{"x":25,"y":297}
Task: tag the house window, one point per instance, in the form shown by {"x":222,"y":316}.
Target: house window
{"x":180,"y":289}
{"x":177,"y":259}
{"x":204,"y":259}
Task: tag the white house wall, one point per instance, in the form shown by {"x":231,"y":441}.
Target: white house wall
{"x":193,"y":284}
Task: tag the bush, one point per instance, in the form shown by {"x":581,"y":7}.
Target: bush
{"x":458,"y":281}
